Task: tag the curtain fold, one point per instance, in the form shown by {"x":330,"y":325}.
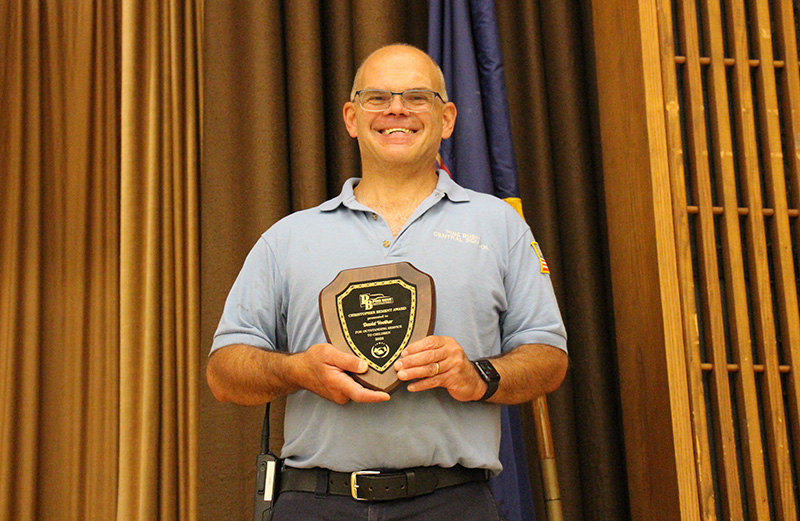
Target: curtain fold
{"x":99,"y":287}
{"x":58,"y":319}
{"x":20,"y":247}
{"x":159,"y":260}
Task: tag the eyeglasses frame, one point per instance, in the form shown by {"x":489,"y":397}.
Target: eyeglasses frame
{"x":393,"y":94}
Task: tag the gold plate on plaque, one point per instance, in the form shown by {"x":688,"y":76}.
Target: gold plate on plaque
{"x":375,"y":312}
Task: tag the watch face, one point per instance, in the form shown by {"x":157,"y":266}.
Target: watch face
{"x":488,"y":371}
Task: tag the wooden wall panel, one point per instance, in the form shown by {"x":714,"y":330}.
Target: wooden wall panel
{"x":721,"y":100}
{"x":654,"y":393}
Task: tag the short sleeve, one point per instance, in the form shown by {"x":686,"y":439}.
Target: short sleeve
{"x":532,"y":315}
{"x":253,"y":309}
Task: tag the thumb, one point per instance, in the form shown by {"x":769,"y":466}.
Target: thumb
{"x":350,"y":362}
{"x":361,"y":367}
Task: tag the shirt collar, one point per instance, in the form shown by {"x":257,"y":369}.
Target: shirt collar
{"x":445,"y":186}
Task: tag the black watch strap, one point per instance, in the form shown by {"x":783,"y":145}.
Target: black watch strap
{"x":488,"y":374}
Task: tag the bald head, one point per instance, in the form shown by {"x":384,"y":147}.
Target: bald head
{"x":434,"y":72}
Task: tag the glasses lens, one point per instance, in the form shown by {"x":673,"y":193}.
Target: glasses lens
{"x":418,"y":99}
{"x":375,"y":99}
{"x":415,"y":100}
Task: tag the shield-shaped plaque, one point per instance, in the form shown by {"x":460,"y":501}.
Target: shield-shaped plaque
{"x":374,"y":313}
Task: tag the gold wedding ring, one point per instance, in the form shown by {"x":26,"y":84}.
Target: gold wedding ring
{"x":437,"y":369}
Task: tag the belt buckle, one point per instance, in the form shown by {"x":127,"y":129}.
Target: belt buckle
{"x":354,"y":482}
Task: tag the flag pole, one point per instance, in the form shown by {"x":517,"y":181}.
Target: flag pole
{"x":544,"y":437}
{"x":547,"y":460}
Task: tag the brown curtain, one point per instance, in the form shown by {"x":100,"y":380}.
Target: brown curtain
{"x":99,"y":285}
{"x":276,"y":75}
{"x":549,"y":74}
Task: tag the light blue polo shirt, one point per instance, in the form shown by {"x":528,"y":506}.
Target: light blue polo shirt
{"x":493,"y":293}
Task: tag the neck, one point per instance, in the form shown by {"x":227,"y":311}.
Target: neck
{"x":396,"y":188}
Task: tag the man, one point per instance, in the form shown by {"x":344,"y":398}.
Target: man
{"x":436,"y":437}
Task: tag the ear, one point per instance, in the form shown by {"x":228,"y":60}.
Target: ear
{"x":448,"y":119}
{"x":349,"y":115}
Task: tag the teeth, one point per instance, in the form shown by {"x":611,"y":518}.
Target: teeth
{"x":393,"y":130}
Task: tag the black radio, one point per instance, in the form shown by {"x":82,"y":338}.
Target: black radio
{"x":268,"y":467}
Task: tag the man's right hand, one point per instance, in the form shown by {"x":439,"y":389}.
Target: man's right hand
{"x":248,"y":375}
{"x":322,"y":369}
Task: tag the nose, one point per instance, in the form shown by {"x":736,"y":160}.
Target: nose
{"x":397,"y":106}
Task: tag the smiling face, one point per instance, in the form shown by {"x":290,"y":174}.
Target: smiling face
{"x":396,"y":136}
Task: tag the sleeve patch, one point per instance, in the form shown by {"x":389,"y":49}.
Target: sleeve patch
{"x":543,"y":268}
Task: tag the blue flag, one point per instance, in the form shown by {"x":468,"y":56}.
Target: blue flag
{"x":464,"y":40}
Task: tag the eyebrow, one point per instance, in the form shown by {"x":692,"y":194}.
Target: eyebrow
{"x":392,"y":90}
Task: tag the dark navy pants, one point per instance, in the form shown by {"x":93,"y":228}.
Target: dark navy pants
{"x":468,"y":502}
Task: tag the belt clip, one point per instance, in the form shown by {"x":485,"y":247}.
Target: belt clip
{"x":354,"y":482}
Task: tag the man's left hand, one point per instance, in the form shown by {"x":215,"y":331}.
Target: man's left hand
{"x":439,"y":361}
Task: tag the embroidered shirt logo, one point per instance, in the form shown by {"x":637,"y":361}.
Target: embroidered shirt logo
{"x":463,"y":237}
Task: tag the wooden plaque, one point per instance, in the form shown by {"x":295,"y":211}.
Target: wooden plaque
{"x":374,"y":313}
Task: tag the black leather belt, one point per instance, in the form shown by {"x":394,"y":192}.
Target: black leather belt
{"x":378,"y":485}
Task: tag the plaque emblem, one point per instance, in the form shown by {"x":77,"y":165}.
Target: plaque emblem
{"x":374,"y":313}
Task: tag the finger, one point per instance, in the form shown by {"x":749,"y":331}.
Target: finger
{"x":358,"y":393}
{"x":367,"y":396}
{"x":428,"y":371}
{"x":425,"y":344}
{"x":424,"y":384}
{"x":429,"y":357}
{"x":342,"y":388}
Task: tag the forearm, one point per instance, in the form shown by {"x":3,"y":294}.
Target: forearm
{"x":527,"y":372}
{"x":248,"y":375}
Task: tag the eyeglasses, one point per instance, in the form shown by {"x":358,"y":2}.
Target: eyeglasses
{"x":414,"y":100}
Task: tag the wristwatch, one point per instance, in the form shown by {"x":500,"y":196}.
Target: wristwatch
{"x":488,"y":374}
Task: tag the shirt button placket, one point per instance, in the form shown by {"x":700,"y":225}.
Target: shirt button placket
{"x":387,"y":242}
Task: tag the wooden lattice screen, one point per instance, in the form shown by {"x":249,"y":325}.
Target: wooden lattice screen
{"x":732,"y":110}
